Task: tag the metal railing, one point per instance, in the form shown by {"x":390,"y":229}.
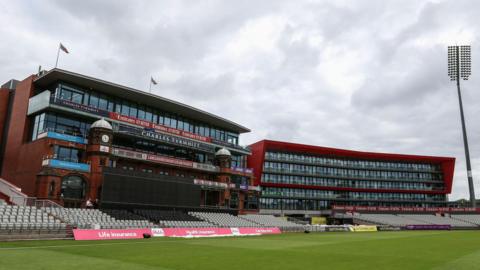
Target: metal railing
{"x":47,"y":203}
{"x":13,"y":192}
{"x":61,"y":131}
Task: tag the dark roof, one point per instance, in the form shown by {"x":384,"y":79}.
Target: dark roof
{"x":139,"y":96}
{"x":321,"y":150}
{"x":11,"y":84}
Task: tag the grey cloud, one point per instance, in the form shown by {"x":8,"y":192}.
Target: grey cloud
{"x":364,"y":75}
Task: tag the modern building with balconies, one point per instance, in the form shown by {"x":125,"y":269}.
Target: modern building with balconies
{"x":298,"y":179}
{"x":68,"y":137}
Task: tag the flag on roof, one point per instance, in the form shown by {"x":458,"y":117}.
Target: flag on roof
{"x":63,"y":48}
{"x":153,"y":81}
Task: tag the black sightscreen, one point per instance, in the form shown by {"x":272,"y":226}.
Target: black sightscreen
{"x":126,"y":187}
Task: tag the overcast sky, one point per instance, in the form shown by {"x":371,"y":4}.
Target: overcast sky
{"x":361,"y":75}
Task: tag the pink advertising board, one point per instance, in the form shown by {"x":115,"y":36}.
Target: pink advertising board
{"x":196,"y":232}
{"x":107,"y":234}
{"x":256,"y":231}
{"x":214,"y":232}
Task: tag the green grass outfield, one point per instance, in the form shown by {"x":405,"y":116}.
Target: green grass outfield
{"x":381,"y":250}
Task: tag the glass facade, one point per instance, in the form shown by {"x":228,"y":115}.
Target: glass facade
{"x":239,"y":161}
{"x":350,"y":169}
{"x":336,"y":182}
{"x":316,"y":205}
{"x":67,"y":154}
{"x":319,"y":172}
{"x":348,"y":195}
{"x":140,"y":111}
{"x":51,"y":121}
{"x":351,"y":163}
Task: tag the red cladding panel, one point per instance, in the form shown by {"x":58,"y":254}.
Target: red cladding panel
{"x":21,"y":161}
{"x":257,"y":158}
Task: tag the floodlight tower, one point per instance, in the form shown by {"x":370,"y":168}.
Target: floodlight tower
{"x":459,"y":66}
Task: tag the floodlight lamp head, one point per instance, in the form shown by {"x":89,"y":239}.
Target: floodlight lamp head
{"x":459,"y":62}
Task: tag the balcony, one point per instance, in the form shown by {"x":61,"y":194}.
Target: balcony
{"x":352,"y":165}
{"x":210,"y":184}
{"x":63,"y":136}
{"x":66,"y":165}
{"x":248,"y":172}
{"x":348,"y":177}
{"x":164,"y":160}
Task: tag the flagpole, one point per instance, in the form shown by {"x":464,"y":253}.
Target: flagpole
{"x":58,"y":54}
{"x":150,"y":89}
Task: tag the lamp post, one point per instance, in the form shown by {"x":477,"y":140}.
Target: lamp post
{"x":459,"y":66}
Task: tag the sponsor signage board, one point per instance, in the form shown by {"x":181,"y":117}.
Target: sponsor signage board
{"x":168,"y":160}
{"x":336,"y":229}
{"x":428,"y":227}
{"x":162,"y":159}
{"x":153,"y":135}
{"x":55,"y":163}
{"x":258,"y":231}
{"x":106,"y":234}
{"x":242,"y":170}
{"x":319,"y":220}
{"x":363,"y":228}
{"x":79,"y":107}
{"x":161,"y":128}
{"x":197,"y":232}
{"x":402,"y":209}
{"x":389,"y":228}
{"x":205,"y":167}
{"x":214,"y":232}
{"x":210,"y":183}
{"x":158,"y":232}
{"x":62,"y":137}
{"x":104,"y":148}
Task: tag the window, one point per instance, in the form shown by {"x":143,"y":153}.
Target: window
{"x":125,"y":108}
{"x":35,"y":127}
{"x":73,"y":187}
{"x":67,"y":154}
{"x":133,"y":111}
{"x":148,"y":116}
{"x":51,"y":189}
{"x":71,"y":94}
{"x":141,"y":112}
{"x":166,"y":121}
{"x":173,"y":123}
{"x":103,"y":103}
{"x":93,"y":100}
{"x":232,"y":138}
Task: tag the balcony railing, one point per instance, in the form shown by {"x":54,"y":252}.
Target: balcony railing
{"x":66,"y":132}
{"x":347,"y":176}
{"x":66,"y":165}
{"x":124,"y":153}
{"x":352,"y":165}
